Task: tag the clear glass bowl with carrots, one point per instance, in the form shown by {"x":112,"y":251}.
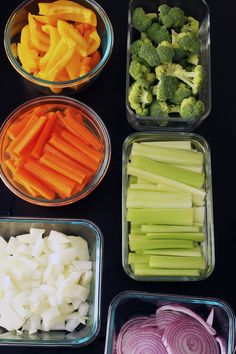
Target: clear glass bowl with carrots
{"x":54,"y":150}
{"x":59,"y":46}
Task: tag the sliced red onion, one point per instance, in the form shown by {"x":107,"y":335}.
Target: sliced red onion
{"x":222,"y":345}
{"x":189,"y":337}
{"x":210,"y":317}
{"x":189,"y":312}
{"x":151,"y":322}
{"x":165,"y":318}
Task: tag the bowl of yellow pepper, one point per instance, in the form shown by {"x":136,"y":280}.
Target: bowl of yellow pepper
{"x":59,"y":46}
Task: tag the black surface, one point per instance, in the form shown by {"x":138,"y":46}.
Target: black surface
{"x":107,"y":97}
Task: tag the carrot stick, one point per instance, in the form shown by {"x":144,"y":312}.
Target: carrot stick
{"x":44,"y":134}
{"x":78,"y":143}
{"x":65,"y":159}
{"x":62,"y":185}
{"x":80,"y":130}
{"x":50,"y":160}
{"x":23,"y":177}
{"x":95,"y":59}
{"x":62,"y":145}
{"x":16,"y":128}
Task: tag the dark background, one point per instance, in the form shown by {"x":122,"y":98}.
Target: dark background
{"x":107,"y":97}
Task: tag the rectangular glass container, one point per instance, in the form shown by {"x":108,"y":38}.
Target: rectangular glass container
{"x":198,"y":9}
{"x":91,"y":233}
{"x":129,"y":304}
{"x":208,"y":245}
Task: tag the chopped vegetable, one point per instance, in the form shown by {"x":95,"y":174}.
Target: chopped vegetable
{"x":51,"y":152}
{"x":45,"y":282}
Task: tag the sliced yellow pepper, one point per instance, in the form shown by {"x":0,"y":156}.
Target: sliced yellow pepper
{"x":28,"y":56}
{"x":73,"y":66}
{"x":50,"y":20}
{"x":54,"y":39}
{"x":94,"y":42}
{"x":38,"y":38}
{"x":67,"y":31}
{"x":68,"y":12}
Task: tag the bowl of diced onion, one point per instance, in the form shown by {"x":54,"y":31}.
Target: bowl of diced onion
{"x":50,"y":274}
{"x":58,"y":46}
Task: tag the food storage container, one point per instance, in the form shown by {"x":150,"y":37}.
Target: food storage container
{"x":18,"y":19}
{"x":82,"y":335}
{"x":198,"y":9}
{"x":130,"y":304}
{"x":91,"y":121}
{"x":208,"y":245}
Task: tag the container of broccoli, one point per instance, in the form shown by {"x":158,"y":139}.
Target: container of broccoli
{"x":168,"y":64}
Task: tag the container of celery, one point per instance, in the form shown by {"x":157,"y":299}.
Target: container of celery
{"x":167,"y":208}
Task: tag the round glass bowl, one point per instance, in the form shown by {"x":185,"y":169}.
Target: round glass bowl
{"x":19,"y":18}
{"x":13,"y":165}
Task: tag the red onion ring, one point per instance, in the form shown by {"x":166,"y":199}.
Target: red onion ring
{"x":165,"y":318}
{"x":210,"y":317}
{"x":189,"y":337}
{"x":222,"y":345}
{"x":189,"y":312}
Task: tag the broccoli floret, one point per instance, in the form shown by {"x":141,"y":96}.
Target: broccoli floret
{"x":171,"y":17}
{"x":139,"y":98}
{"x":194,"y":78}
{"x":192,"y":59}
{"x":159,"y":108}
{"x":165,"y":52}
{"x":179,"y":52}
{"x":140,"y":20}
{"x":158,"y":33}
{"x":166,"y":87}
{"x":189,"y":41}
{"x":191,"y":108}
{"x":183,"y":91}
{"x":148,"y":52}
{"x":192,"y":25}
{"x":138,"y":70}
{"x":135,"y":46}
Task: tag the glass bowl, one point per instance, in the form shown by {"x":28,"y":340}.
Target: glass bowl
{"x":208,"y":245}
{"x":91,"y":233}
{"x":198,"y":9}
{"x":18,"y":19}
{"x":91,"y":122}
{"x":129,"y":304}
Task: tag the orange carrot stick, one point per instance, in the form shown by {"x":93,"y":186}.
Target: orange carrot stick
{"x":62,"y":145}
{"x":62,"y":185}
{"x":78,"y":143}
{"x":50,"y":160}
{"x":44,"y":134}
{"x":95,"y":59}
{"x":16,"y":128}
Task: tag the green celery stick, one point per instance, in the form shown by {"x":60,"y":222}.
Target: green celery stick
{"x":184,"y":145}
{"x":190,"y":168}
{"x":167,"y":155}
{"x":168,"y":228}
{"x":142,"y":270}
{"x":169,"y":262}
{"x":198,"y":200}
{"x":138,"y":258}
{"x":194,"y":179}
{"x":163,"y":188}
{"x":161,"y":216}
{"x":193,"y":252}
{"x":198,"y":215}
{"x":194,"y":236}
{"x":132,"y":179}
{"x":143,"y":181}
{"x":136,"y":231}
{"x":139,"y":172}
{"x":152,"y":199}
{"x":139,"y":244}
{"x":143,"y":186}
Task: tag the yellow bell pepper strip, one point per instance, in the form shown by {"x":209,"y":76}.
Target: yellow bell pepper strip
{"x":28,"y":57}
{"x":54,"y":39}
{"x":38,"y":38}
{"x":49,"y":20}
{"x":67,"y":31}
{"x":94,"y":42}
{"x":57,"y":62}
{"x":69,"y":12}
{"x":73,"y":66}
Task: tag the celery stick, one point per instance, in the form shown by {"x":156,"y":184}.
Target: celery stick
{"x":143,"y":269}
{"x":163,"y":188}
{"x":195,"y":179}
{"x":152,"y":199}
{"x":136,"y":231}
{"x":143,"y":180}
{"x":198,"y":215}
{"x":194,"y":236}
{"x":168,"y":262}
{"x":152,"y":244}
{"x":161,"y":216}
{"x":144,"y":186}
{"x":184,"y":145}
{"x":168,"y":228}
{"x":193,"y":252}
{"x":138,"y":258}
{"x":167,"y":155}
{"x":190,"y":168}
{"x":198,"y":200}
{"x":132,"y":180}
{"x":163,"y":180}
